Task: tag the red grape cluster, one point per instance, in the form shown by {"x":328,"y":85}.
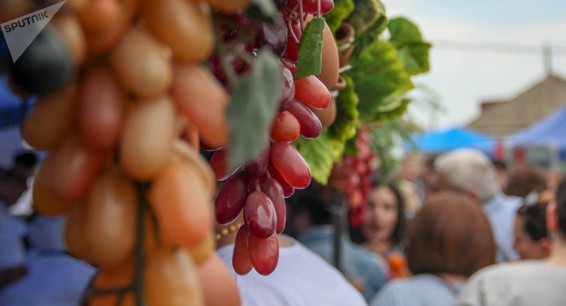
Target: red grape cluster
{"x":352,"y":175}
{"x":259,"y":188}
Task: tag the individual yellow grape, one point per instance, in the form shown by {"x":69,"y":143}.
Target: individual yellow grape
{"x":215,"y":278}
{"x":186,"y":154}
{"x":105,"y":40}
{"x":50,"y":119}
{"x":101,"y":109}
{"x":147,"y":138}
{"x":44,"y":200}
{"x":70,"y":29}
{"x":72,"y":232}
{"x":182,"y":204}
{"x":99,"y":15}
{"x":110,"y":218}
{"x":184,"y":26}
{"x":140,"y":64}
{"x":75,"y":168}
{"x":171,"y":279}
{"x":202,"y":101}
{"x":111,"y":278}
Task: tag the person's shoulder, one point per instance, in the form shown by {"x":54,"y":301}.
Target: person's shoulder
{"x":511,"y":268}
{"x":506,"y":274}
{"x":396,"y":292}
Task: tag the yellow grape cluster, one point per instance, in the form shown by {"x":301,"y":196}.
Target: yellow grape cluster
{"x":133,"y":116}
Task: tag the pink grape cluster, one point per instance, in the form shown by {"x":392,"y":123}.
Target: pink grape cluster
{"x":258,"y":189}
{"x":352,"y":176}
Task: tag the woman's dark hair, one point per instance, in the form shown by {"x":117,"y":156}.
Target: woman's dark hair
{"x":533,"y":214}
{"x":450,"y":234}
{"x":398,"y":233}
{"x":314,"y":199}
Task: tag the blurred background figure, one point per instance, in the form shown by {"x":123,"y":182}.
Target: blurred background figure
{"x":529,"y":183}
{"x":524,"y":179}
{"x":13,"y":182}
{"x":501,"y":172}
{"x":410,"y":183}
{"x":449,"y":239}
{"x":384,"y":225}
{"x":312,"y":219}
{"x":531,"y":237}
{"x":532,"y":282}
{"x":429,"y":177}
{"x":470,"y":171}
{"x":54,"y":278}
{"x":24,"y":167}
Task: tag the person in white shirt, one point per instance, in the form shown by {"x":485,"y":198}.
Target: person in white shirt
{"x":527,"y":282}
{"x":470,"y":171}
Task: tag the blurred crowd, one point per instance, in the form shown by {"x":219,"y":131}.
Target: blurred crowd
{"x":452,"y":229}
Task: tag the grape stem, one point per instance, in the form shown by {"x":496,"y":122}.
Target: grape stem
{"x":140,"y":237}
{"x":290,"y":27}
{"x":345,"y":68}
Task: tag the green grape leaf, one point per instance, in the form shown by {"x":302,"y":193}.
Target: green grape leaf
{"x":413,"y":50}
{"x":310,"y":49}
{"x":378,"y":73}
{"x":370,"y":35}
{"x":341,"y":11}
{"x":393,"y":109}
{"x":369,"y":20}
{"x":264,"y":10}
{"x":320,"y":154}
{"x":253,"y":106}
{"x":344,"y":126}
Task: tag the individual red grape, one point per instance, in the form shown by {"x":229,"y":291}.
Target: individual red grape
{"x":274,"y":35}
{"x":264,"y":253}
{"x":292,"y":50}
{"x":310,"y":124}
{"x":241,"y":260}
{"x":285,"y":127}
{"x":312,"y":92}
{"x":231,"y":198}
{"x":274,"y":191}
{"x":238,"y":64}
{"x":260,"y":215}
{"x":290,"y":164}
{"x":287,"y":90}
{"x":288,"y":190}
{"x":311,"y":6}
{"x":219,"y":164}
{"x":256,"y":168}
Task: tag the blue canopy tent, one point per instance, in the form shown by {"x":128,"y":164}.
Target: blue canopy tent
{"x":550,"y":131}
{"x":438,"y":141}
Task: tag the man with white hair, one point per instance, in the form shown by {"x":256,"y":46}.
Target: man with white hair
{"x":470,"y":171}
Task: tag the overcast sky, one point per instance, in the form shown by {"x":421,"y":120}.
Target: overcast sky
{"x":463,"y":76}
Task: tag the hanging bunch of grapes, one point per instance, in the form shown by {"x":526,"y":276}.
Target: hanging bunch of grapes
{"x":258,"y":188}
{"x":124,"y":100}
{"x":130,"y":91}
{"x":353,"y":177}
